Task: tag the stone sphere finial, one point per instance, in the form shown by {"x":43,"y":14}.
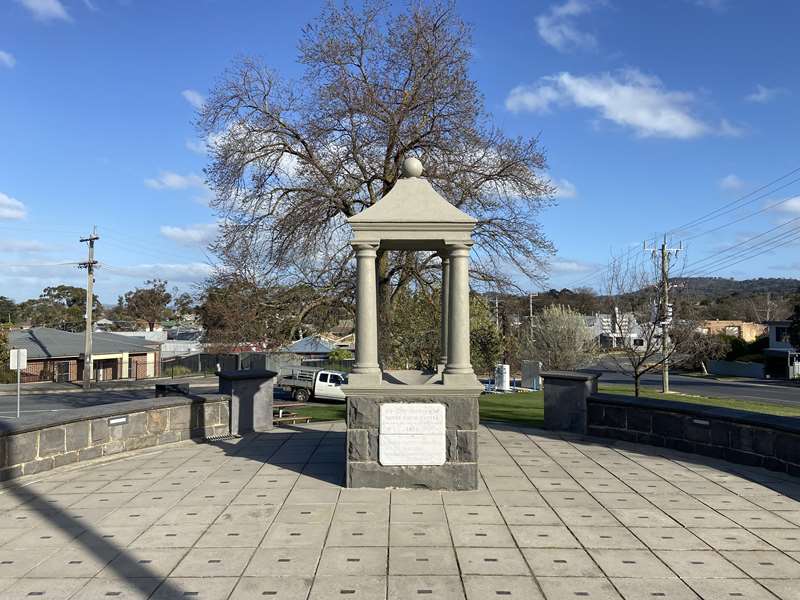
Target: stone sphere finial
{"x":412,"y":167}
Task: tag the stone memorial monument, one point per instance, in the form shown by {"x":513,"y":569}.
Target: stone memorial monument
{"x":413,"y":429}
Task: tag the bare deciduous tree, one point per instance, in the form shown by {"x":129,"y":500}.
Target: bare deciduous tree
{"x":291,"y":160}
{"x":633,"y":288}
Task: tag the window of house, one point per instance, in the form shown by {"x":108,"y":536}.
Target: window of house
{"x":782,"y":334}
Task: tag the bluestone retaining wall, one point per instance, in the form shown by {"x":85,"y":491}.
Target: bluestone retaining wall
{"x":39,"y":443}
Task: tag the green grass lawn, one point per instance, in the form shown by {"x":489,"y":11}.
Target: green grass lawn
{"x":759,"y":407}
{"x":527,"y":408}
{"x":523,"y":408}
{"x":321,"y":412}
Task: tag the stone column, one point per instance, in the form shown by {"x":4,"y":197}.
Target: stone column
{"x":366,"y":370}
{"x":445,"y":308}
{"x":458,"y":370}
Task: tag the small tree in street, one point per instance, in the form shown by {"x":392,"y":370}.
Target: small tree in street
{"x":633,"y":289}
{"x":560,"y":339}
{"x":148,"y":304}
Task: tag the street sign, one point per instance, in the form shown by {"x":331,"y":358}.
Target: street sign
{"x":19,"y":359}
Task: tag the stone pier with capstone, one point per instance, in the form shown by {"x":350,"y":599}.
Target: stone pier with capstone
{"x":413,"y":429}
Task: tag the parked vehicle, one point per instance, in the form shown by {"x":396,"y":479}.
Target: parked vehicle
{"x":305,"y":384}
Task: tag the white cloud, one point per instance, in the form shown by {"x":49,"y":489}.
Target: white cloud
{"x":731,"y":182}
{"x":197,"y":146}
{"x":628,"y":98}
{"x":790,"y":206}
{"x":195,"y":98}
{"x":21,"y":246}
{"x":46,"y":10}
{"x":763,"y":94}
{"x":7,"y":59}
{"x":183,"y":272}
{"x":11,"y":208}
{"x":169,"y":180}
{"x":557,"y":26}
{"x":564,"y":189}
{"x":194,"y":235}
{"x":560,"y":265}
{"x":715,"y":5}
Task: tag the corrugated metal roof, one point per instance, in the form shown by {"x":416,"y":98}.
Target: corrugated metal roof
{"x":44,"y":342}
{"x":311,"y":345}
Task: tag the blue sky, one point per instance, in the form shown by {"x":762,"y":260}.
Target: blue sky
{"x":652,"y":114}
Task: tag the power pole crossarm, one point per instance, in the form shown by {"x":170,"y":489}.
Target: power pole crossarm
{"x":87,"y":346}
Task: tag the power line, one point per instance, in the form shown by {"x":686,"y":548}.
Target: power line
{"x":741,"y":246}
{"x":779,"y":241}
{"x":710,"y":216}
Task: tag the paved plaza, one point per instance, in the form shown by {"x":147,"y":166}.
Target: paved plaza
{"x":266,"y":517}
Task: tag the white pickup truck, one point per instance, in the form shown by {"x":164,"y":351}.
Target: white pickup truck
{"x":305,"y":383}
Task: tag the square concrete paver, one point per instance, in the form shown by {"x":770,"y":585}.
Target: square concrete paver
{"x":73,"y":562}
{"x":729,"y":589}
{"x":652,"y":589}
{"x":670,"y":538}
{"x":764,"y":564}
{"x":119,"y":589}
{"x":543,"y":536}
{"x":197,"y":588}
{"x":213,"y":562}
{"x":491,"y":561}
{"x":785,"y":589}
{"x":514,"y":587}
{"x":787,"y":540}
{"x":353,"y":561}
{"x":731,"y":539}
{"x":484,"y":536}
{"x":275,"y":588}
{"x":422,"y":561}
{"x":49,"y":589}
{"x":411,"y":534}
{"x":563,"y":588}
{"x":637,"y":564}
{"x":351,"y":587}
{"x":558,"y":562}
{"x":613,"y":538}
{"x":425,"y":586}
{"x":286,"y":535}
{"x":363,"y":533}
{"x":288,"y":562}
{"x":693,"y":564}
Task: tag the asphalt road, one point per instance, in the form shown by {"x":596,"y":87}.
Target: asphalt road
{"x":38,"y":403}
{"x":761,"y":392}
{"x":737,"y":390}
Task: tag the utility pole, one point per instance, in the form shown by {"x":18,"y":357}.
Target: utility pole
{"x":496,"y":311}
{"x":666,"y":310}
{"x":87,"y":344}
{"x":530,"y":316}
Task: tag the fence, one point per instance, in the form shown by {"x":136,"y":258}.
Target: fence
{"x":207,"y":364}
{"x":736,"y":369}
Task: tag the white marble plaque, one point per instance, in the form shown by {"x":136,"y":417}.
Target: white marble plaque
{"x":412,"y":434}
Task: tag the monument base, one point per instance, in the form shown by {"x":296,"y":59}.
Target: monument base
{"x":399,"y":437}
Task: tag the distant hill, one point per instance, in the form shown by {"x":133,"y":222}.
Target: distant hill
{"x":715,"y":287}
